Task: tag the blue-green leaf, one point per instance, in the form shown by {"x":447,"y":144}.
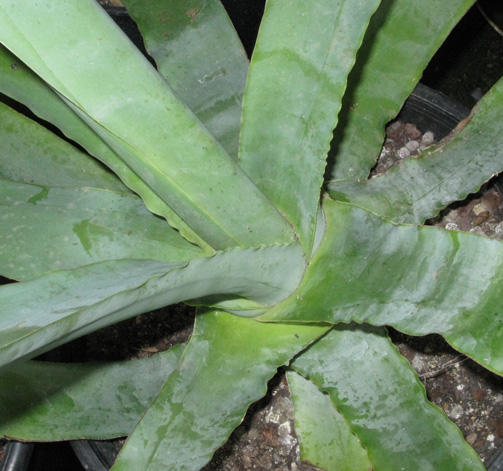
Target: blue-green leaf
{"x":62,"y":305}
{"x":324,"y":437}
{"x":297,"y":78}
{"x":198,"y":52}
{"x":420,"y":187}
{"x":419,"y":280}
{"x":42,"y":401}
{"x":22,"y":85}
{"x":384,"y":403}
{"x":141,"y":119}
{"x":224,"y":368}
{"x":400,"y":41}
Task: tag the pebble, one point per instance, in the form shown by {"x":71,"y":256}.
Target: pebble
{"x":412,"y":145}
{"x":499,"y":230}
{"x":428,"y":138}
{"x":452,"y":226}
{"x":456,"y":412}
{"x":471,"y":439}
{"x":418,"y":363}
{"x":403,"y":153}
{"x":477,"y":230}
{"x":412,"y":131}
{"x":394,"y":130}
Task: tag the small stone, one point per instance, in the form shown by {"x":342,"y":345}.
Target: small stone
{"x":428,"y":138}
{"x":456,"y":412}
{"x":482,"y":217}
{"x":394,"y":130}
{"x":403,"y":153}
{"x":412,"y":145}
{"x":384,"y":153}
{"x":467,"y":209}
{"x":491,"y":200}
{"x":478,"y":208}
{"x":412,"y":131}
{"x":452,"y":226}
{"x":498,"y":230}
{"x":471,"y":439}
{"x":477,"y":230}
{"x":479,"y":395}
{"x":418,"y":363}
{"x":268,"y":434}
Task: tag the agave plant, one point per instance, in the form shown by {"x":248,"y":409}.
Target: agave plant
{"x":241,"y":187}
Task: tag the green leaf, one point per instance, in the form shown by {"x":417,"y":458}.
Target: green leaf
{"x":165,"y":144}
{"x":199,"y":53}
{"x":394,"y":53}
{"x":62,"y":305}
{"x":324,"y":437}
{"x":49,"y":228}
{"x":224,"y":368}
{"x":297,"y":77}
{"x":418,"y":188}
{"x":41,"y":401}
{"x":419,"y":280}
{"x":44,"y":159}
{"x":384,"y":402}
{"x":62,"y":209}
{"x":22,"y":85}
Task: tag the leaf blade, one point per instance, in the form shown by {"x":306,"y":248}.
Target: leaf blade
{"x":384,"y":402}
{"x":198,"y":52}
{"x":207,"y":397}
{"x":22,"y":85}
{"x":47,"y":228}
{"x":65,"y":304}
{"x":419,"y":188}
{"x":324,"y":437}
{"x":419,"y":280}
{"x":388,"y":67}
{"x":297,"y":77}
{"x":43,"y":401}
{"x":168,"y":162}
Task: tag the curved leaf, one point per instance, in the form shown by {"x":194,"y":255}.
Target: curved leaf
{"x":164,"y":144}
{"x":41,"y":401}
{"x":390,"y":62}
{"x":384,"y":402}
{"x":418,"y":188}
{"x":22,"y":85}
{"x":60,"y":208}
{"x":44,"y":159}
{"x":39,"y":314}
{"x":297,"y":77}
{"x":224,"y":368}
{"x":199,"y":53}
{"x":46,"y":228}
{"x":419,"y":280}
{"x":324,"y":437}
